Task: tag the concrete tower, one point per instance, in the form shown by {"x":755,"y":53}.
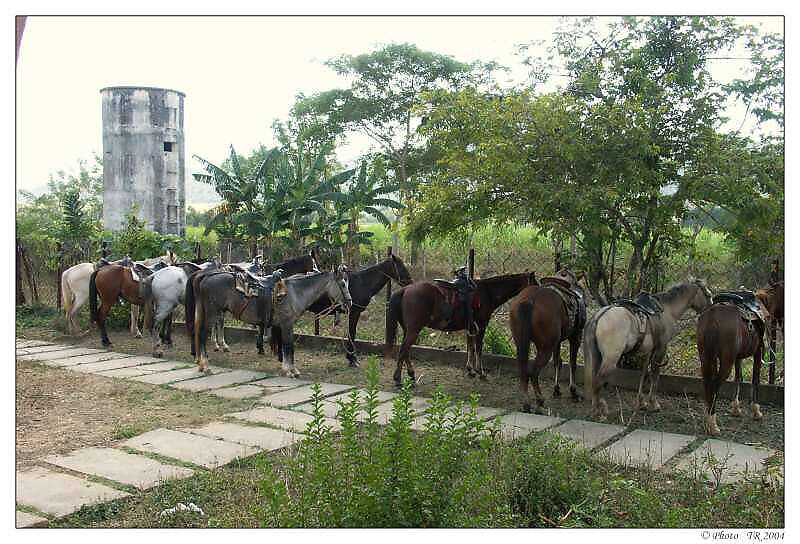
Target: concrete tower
{"x":143,"y":158}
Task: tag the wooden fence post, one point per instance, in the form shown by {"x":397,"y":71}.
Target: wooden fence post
{"x":471,"y":263}
{"x":774,"y":277}
{"x":197,"y":255}
{"x":388,"y":298}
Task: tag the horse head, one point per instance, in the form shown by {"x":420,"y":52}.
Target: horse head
{"x":341,"y":294}
{"x":703,"y":297}
{"x":401,"y":273}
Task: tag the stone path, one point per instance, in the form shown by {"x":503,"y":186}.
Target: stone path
{"x":61,"y":484}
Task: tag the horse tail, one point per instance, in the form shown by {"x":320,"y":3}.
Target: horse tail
{"x":708,"y":344}
{"x":93,"y":296}
{"x":146,"y":292}
{"x":592,"y":358}
{"x":275,"y":340}
{"x":395,"y":316}
{"x":521,"y":325}
{"x":189,"y":305}
{"x":67,"y":296}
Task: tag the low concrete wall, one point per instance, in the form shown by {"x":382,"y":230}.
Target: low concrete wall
{"x":626,"y":379}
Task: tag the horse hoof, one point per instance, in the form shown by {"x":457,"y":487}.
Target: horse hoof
{"x":354,"y":364}
{"x":216,"y":348}
{"x":575,"y":397}
{"x":526,"y":408}
{"x":757,"y":412}
{"x":655,"y":407}
{"x":483,"y":376}
{"x":556,"y":393}
{"x":226,"y":349}
{"x":138,"y":335}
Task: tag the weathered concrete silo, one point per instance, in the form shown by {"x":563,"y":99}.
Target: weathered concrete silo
{"x":143,"y":157}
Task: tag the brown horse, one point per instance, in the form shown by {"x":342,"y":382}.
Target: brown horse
{"x":547,"y":315}
{"x":724,"y":338}
{"x":425,"y":304}
{"x":111,"y":282}
{"x":772,"y":299}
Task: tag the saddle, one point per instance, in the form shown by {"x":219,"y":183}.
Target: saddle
{"x":644,"y":303}
{"x":139,"y":270}
{"x":452,"y":295}
{"x":572,"y":298}
{"x":643,"y":307}
{"x":252,"y":285}
{"x":745,"y":301}
{"x":125,"y":261}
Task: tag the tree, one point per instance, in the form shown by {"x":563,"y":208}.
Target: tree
{"x":380,"y":103}
{"x":618,"y":158}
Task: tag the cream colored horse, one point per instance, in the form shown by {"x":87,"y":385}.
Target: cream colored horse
{"x":614,"y":331}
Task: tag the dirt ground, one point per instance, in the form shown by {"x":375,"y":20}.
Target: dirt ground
{"x":680,"y":414}
{"x":58,"y":410}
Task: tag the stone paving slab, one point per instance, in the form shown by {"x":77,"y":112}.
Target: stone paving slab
{"x":286,"y":419}
{"x":301,"y":394}
{"x":43,"y":349}
{"x":190,"y":448}
{"x":113,"y":364}
{"x":519,"y":424}
{"x":83,"y":359}
{"x":383,"y":396}
{"x":587,"y":433}
{"x":60,"y":494}
{"x":119,"y":466}
{"x":32,"y":343}
{"x":263,"y":438}
{"x":650,"y":449}
{"x":142,"y":370}
{"x":280,"y":383}
{"x":161,"y":378}
{"x":24,"y":519}
{"x":735,"y":461}
{"x":61,"y":354}
{"x":239,"y":392}
{"x":216,"y":381}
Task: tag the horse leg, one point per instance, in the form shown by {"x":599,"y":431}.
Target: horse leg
{"x":708,"y":364}
{"x":477,"y":342}
{"x":600,"y":380}
{"x":221,"y":332}
{"x":556,"y":372}
{"x":655,"y":373}
{"x":641,"y":401}
{"x":404,"y":355}
{"x":543,"y":355}
{"x":260,"y":339}
{"x":470,"y":366}
{"x":574,"y":346}
{"x":736,"y":407}
{"x":135,"y":321}
{"x":102,"y":315}
{"x":754,"y":406}
{"x":349,"y":344}
{"x":202,"y":320}
{"x":288,"y":354}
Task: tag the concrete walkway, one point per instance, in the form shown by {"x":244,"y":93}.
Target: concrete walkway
{"x":281,"y":410}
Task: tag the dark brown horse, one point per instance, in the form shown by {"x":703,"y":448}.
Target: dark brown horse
{"x":426,"y":304}
{"x":772,"y":299}
{"x":724,"y":338}
{"x":547,"y":315}
{"x":112,"y":282}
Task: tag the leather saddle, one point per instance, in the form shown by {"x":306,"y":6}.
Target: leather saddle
{"x":744,"y":300}
{"x":572,"y":298}
{"x":452,"y":294}
{"x":644,"y":303}
{"x":252,"y":285}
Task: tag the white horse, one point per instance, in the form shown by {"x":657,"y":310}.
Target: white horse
{"x":165,"y":289}
{"x":614,"y":331}
{"x":75,"y":291}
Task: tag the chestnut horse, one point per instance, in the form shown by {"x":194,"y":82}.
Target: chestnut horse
{"x":724,"y":338}
{"x":540,"y":314}
{"x":424,"y":304}
{"x":772,"y":299}
{"x":111,"y":282}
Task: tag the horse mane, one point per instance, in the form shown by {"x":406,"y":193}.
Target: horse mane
{"x":305,"y":275}
{"x":501,"y":278}
{"x":673,"y":291}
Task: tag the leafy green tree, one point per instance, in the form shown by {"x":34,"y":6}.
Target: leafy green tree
{"x":380,"y":103}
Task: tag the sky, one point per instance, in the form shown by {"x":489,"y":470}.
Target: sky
{"x":238,"y":73}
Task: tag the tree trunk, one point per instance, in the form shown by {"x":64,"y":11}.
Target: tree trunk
{"x":556,"y":253}
{"x":20,"y":290}
{"x":633,"y":275}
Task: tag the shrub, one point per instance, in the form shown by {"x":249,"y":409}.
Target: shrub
{"x":496,"y":341}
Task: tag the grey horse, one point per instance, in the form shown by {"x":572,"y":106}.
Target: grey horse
{"x":615,"y":331}
{"x":302,"y":290}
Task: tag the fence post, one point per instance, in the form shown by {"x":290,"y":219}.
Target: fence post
{"x":471,"y":263}
{"x":388,"y":298}
{"x":197,"y":255}
{"x":104,"y":249}
{"x":59,"y":270}
{"x":774,"y":277}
